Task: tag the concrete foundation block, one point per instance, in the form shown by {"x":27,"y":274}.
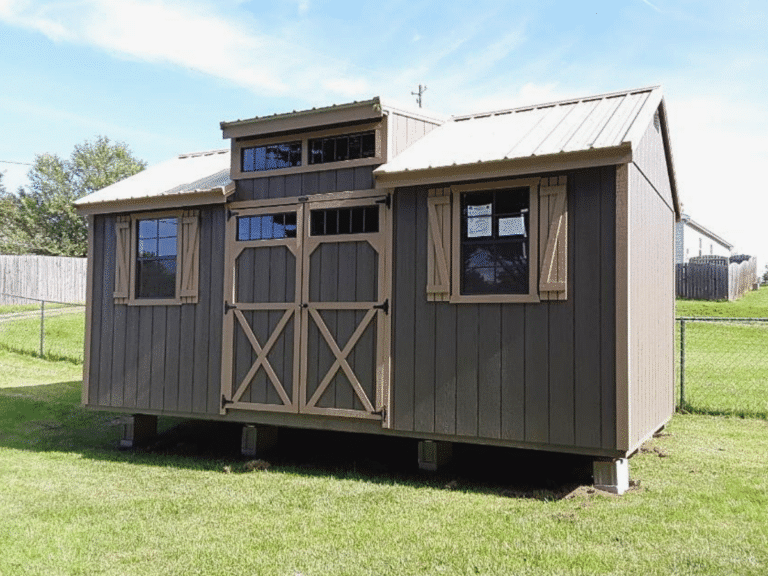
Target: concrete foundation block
{"x":434,"y":454}
{"x":611,"y":475}
{"x":257,"y":439}
{"x":138,"y":430}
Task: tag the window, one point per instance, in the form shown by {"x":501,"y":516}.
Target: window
{"x":157,"y":258}
{"x":345,"y":147}
{"x":266,"y":226}
{"x":495,"y":244}
{"x":271,"y":157}
{"x":157,"y":242}
{"x":503,"y":241}
{"x":332,"y":221}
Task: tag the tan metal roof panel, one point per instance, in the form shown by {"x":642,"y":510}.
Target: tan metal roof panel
{"x":583,"y":124}
{"x":185,"y":174}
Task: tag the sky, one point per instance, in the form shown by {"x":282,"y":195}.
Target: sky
{"x":160,"y":75}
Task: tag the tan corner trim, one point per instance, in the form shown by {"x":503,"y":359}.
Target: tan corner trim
{"x":623,"y":377}
{"x":88,"y":315}
{"x":505,"y":168}
{"x":215,"y":196}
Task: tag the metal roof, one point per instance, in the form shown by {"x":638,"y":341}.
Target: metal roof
{"x":185,"y":174}
{"x":583,"y":124}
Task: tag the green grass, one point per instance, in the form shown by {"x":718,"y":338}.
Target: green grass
{"x":753,"y":304}
{"x":726,"y":368}
{"x":63,"y":336}
{"x":14,"y":308}
{"x":74,"y":505}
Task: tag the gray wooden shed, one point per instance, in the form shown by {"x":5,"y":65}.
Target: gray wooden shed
{"x":502,"y":278}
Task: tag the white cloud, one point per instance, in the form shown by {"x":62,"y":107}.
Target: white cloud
{"x":191,"y":35}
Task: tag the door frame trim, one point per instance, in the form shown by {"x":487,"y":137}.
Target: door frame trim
{"x":382,"y":401}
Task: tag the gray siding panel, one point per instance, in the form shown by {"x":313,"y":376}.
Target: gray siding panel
{"x":489,"y":371}
{"x":584,"y":208}
{"x":403,"y":304}
{"x":466,"y":368}
{"x":513,"y":373}
{"x":157,"y":376}
{"x":145,"y":357}
{"x":424,"y":341}
{"x":445,"y":368}
{"x":538,"y":373}
{"x":308,"y":183}
{"x":144,"y":369}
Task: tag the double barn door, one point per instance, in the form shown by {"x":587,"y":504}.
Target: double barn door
{"x":306,"y":308}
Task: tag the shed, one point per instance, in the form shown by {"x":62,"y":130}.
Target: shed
{"x":502,"y":278}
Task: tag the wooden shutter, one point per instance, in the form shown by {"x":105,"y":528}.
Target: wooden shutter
{"x":190,"y":256}
{"x":122,"y":259}
{"x":553,"y":239}
{"x":439,"y":244}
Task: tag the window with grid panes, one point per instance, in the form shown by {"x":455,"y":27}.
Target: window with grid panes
{"x":157,"y":247}
{"x":495,"y":242}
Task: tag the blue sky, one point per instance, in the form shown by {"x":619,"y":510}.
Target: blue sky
{"x":161,"y":74}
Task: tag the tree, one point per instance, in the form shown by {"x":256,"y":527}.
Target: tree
{"x":45,"y":220}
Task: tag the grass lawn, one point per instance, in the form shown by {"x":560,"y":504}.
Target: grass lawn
{"x":64,"y":334}
{"x":726,"y":368}
{"x":753,"y":304}
{"x":73,"y":504}
{"x":14,"y":308}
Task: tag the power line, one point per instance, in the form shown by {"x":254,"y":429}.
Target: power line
{"x":13,"y":162}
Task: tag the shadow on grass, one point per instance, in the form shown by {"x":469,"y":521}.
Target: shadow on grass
{"x":49,"y":418}
{"x":689,"y":408}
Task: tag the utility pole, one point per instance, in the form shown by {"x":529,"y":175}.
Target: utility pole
{"x":418,"y":94}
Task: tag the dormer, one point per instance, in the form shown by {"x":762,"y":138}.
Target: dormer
{"x":358,"y":134}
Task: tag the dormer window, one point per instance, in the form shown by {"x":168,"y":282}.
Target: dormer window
{"x":344,"y":147}
{"x":271,"y":157}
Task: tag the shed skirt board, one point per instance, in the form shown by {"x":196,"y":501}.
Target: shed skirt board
{"x":304,"y":324}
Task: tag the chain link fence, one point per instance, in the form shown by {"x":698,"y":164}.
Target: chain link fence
{"x":722,"y":366}
{"x":43,"y":328}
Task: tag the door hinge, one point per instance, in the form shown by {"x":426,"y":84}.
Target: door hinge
{"x":382,"y":413}
{"x":230,"y":213}
{"x":224,"y":401}
{"x":387,"y":201}
{"x":228,"y":307}
{"x":383,"y":306}
{"x":303,"y":198}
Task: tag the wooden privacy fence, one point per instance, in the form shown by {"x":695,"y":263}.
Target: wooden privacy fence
{"x":55,"y":278}
{"x":714,"y":278}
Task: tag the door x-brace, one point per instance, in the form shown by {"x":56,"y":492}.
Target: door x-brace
{"x":261,"y":357}
{"x":341,"y":359}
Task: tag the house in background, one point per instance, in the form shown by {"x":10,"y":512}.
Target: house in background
{"x":502,"y":279}
{"x":693,"y":239}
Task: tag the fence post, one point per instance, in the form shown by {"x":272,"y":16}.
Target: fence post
{"x":42,"y":327}
{"x":682,"y":364}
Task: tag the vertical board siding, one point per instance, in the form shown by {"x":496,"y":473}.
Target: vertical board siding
{"x":651,"y":305}
{"x":54,"y":278}
{"x":306,"y":184}
{"x":157,"y":357}
{"x":405,"y":130}
{"x":540,"y":373}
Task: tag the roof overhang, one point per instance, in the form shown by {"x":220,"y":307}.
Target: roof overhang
{"x":506,"y":168}
{"x":217,"y":195}
{"x":342,"y":114}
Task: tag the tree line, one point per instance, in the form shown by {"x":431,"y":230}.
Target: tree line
{"x":40,"y":218}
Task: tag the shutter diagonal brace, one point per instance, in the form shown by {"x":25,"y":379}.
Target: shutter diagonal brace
{"x":552,"y":277}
